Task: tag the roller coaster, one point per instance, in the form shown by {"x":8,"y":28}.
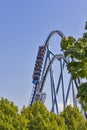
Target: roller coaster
{"x":63,"y":89}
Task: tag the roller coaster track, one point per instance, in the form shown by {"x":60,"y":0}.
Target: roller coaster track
{"x":34,"y":91}
{"x":57,"y":56}
{"x":47,"y":68}
{"x":51,"y":34}
{"x":42,"y":82}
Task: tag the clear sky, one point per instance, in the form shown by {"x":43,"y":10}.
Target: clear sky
{"x":24,"y":25}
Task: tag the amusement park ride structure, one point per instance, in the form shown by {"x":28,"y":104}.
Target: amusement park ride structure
{"x":44,"y":65}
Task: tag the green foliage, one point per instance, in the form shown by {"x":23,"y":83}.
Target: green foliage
{"x":74,"y":119}
{"x":82,"y":95}
{"x":41,"y":119}
{"x":37,"y":117}
{"x":77,"y":51}
{"x":85,"y":35}
{"x":10,"y":119}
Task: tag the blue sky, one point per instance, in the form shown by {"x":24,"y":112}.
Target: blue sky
{"x":24,"y":25}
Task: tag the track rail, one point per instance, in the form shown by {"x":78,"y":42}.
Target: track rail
{"x":57,"y":56}
{"x":51,"y":34}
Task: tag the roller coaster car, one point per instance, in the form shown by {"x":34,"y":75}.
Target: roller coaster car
{"x":39,"y":61}
{"x":41,"y":54}
{"x":37,"y":69}
{"x":40,"y":57}
{"x":36,"y":76}
{"x":35,"y":81}
{"x":37,"y":73}
{"x":41,"y":51}
{"x":38,"y":66}
{"x":42,"y":47}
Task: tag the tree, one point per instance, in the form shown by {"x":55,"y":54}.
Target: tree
{"x":82,"y":94}
{"x":10,"y":118}
{"x":41,"y":119}
{"x":37,"y":117}
{"x":77,"y":51}
{"x":74,"y":119}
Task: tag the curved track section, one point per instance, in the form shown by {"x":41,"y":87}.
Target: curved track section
{"x":58,"y":57}
{"x":51,"y":34}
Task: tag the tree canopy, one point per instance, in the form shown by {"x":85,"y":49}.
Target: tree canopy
{"x":77,"y":51}
{"x":10,"y":118}
{"x":41,"y":119}
{"x":37,"y":117}
{"x":74,"y":118}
